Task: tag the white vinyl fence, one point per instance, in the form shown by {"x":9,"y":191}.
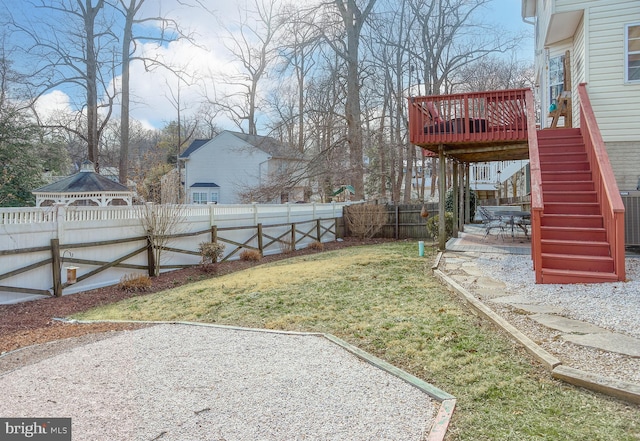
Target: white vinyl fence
{"x":39,"y":247}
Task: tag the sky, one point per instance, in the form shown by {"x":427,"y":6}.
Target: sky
{"x":151,"y":91}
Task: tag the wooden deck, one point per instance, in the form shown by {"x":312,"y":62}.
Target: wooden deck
{"x":472,"y":127}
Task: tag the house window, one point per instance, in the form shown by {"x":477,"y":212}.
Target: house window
{"x":556,"y":78}
{"x":632,"y":49}
{"x":215,"y":197}
{"x":199,"y":197}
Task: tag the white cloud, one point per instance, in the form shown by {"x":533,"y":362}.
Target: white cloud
{"x":53,"y":103}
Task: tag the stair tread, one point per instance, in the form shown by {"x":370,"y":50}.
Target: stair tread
{"x":551,"y":227}
{"x":590,"y":216}
{"x":605,"y":275}
{"x":571,"y":203}
{"x":575,"y":242}
{"x":576,"y":257}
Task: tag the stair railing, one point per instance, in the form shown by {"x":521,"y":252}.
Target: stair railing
{"x":604,"y":181}
{"x":537,"y":203}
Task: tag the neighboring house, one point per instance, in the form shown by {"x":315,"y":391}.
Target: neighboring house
{"x":236,"y":167}
{"x":602,"y":38}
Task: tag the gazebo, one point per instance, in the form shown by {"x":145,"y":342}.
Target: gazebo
{"x":84,"y":188}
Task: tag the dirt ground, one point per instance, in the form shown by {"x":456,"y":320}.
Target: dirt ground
{"x":29,"y":323}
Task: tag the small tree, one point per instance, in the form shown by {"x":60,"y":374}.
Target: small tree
{"x":448,"y":202}
{"x":160,"y":223}
{"x":365,"y":220}
{"x":433,"y":225}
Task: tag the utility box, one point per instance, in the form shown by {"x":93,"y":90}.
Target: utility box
{"x":631,"y":201}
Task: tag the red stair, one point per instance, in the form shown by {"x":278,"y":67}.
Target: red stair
{"x":572,"y":239}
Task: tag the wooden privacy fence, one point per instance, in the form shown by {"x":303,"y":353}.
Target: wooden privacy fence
{"x":284,"y":236}
{"x":404,"y":221}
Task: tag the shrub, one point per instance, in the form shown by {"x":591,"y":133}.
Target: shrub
{"x":286,"y":246}
{"x":365,"y":220}
{"x":448,"y":201}
{"x":250,"y":255}
{"x":135,"y":283}
{"x":316,"y":245}
{"x":433,"y":225}
{"x":211,"y":252}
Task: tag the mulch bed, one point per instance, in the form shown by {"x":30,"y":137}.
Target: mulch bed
{"x":33,"y":322}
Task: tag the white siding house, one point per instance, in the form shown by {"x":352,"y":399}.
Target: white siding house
{"x":603,"y":39}
{"x":228,"y":167}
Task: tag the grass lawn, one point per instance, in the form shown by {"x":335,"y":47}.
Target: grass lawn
{"x":384,"y":300}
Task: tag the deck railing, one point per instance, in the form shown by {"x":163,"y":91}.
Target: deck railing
{"x":479,"y":117}
{"x":605,"y":183}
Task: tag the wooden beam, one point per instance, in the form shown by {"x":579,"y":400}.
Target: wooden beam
{"x":56,"y":267}
{"x":442,"y":189}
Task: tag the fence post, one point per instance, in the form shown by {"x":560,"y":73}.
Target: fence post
{"x":397,"y":225}
{"x":293,"y":237}
{"x":318,"y":230}
{"x":151,"y":260}
{"x":260,"y":245}
{"x":55,"y":267}
{"x":335,"y":222}
{"x":60,"y":217}
{"x":214,"y":234}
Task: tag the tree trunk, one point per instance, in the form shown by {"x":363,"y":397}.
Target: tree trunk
{"x":123,"y":163}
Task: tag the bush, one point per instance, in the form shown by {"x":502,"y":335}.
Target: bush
{"x":135,"y":283}
{"x":286,"y":246}
{"x":250,"y":255}
{"x":365,"y":220}
{"x":211,"y":252}
{"x":433,"y":225}
{"x":448,"y":202}
{"x":316,"y":245}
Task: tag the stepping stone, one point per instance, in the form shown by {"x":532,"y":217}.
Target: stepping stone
{"x":488,"y":282}
{"x":517,"y":299}
{"x":463,"y":280}
{"x":455,"y":260}
{"x":566,"y":325}
{"x":537,"y":309}
{"x":473,"y":271}
{"x":607,"y":341}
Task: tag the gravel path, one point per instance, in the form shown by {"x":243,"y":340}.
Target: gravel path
{"x":613,"y":306}
{"x":181,"y":382}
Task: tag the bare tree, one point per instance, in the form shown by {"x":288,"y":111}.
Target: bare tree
{"x":74,"y":45}
{"x":493,"y":73}
{"x":353,"y":18}
{"x":170,"y":31}
{"x":252,"y":47}
{"x":160,"y":222}
{"x":451,"y":37}
{"x":300,"y":40}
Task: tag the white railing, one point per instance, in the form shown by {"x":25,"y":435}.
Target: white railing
{"x":487,"y":172}
{"x":35,"y":215}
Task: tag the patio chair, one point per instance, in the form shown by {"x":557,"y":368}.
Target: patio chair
{"x":491,"y":221}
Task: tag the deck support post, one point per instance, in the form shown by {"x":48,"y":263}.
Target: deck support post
{"x":460,"y":199}
{"x":442,"y":189}
{"x":456,"y":198}
{"x":467,"y":194}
